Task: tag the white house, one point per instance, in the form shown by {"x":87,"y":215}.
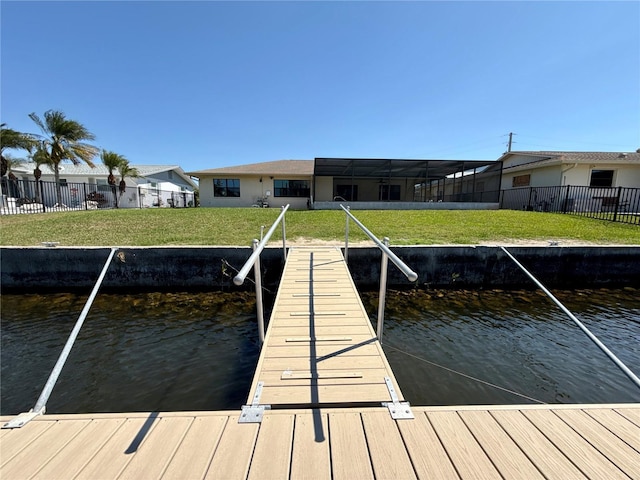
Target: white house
{"x":156,"y":185}
{"x":547,"y":169}
{"x":570,"y":181}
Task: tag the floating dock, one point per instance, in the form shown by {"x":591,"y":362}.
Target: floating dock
{"x":324,"y":404}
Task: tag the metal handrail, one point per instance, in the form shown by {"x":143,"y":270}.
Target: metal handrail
{"x":244,"y":271}
{"x":41,"y":403}
{"x":632,"y":376}
{"x":254,"y":261}
{"x":386,"y":254}
{"x":403,"y":267}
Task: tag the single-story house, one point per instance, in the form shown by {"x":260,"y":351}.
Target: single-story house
{"x":273,"y":184}
{"x":367,"y":183}
{"x":549,"y":169}
{"x":156,"y":185}
{"x":570,"y":181}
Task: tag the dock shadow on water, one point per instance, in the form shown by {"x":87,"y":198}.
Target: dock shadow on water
{"x":140,"y":352}
{"x":456,"y":347}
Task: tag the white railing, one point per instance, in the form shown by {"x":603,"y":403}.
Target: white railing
{"x":632,"y":376}
{"x":254,"y":261}
{"x":41,"y":404}
{"x":386,"y":255}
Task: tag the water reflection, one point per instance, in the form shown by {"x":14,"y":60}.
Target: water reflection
{"x":143,"y":352}
{"x":518,"y":340}
{"x":198,"y":351}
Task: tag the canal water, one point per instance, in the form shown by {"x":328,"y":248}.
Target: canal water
{"x":198,"y":351}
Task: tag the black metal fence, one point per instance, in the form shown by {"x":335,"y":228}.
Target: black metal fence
{"x":31,"y":196}
{"x":618,"y":204}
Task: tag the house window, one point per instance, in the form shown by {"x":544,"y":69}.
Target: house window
{"x":103,"y":185}
{"x":348,"y":192}
{"x":290,"y":188}
{"x":521,"y":181}
{"x":601,"y":178}
{"x":385,"y":194}
{"x":63,"y":182}
{"x":226,"y":187}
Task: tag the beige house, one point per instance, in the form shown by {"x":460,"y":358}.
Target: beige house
{"x":272,"y":184}
{"x":424,"y":184}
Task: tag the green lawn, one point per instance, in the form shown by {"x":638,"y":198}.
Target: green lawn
{"x":238,"y":226}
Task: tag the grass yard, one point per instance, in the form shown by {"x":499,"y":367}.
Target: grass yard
{"x":238,"y":226}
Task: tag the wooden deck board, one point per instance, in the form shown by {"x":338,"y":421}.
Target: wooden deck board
{"x":310,"y":456}
{"x":468,"y":457}
{"x":503,"y":452}
{"x":192,"y":459}
{"x":429,"y":458}
{"x":542,"y":453}
{"x":574,"y":446}
{"x":46,"y":446}
{"x":267,"y":461}
{"x":619,"y":425}
{"x":441,"y":442}
{"x":389,"y":456}
{"x":349,"y":453}
{"x":79,"y":451}
{"x":119,"y":450}
{"x":232,"y":457}
{"x":612,"y":447}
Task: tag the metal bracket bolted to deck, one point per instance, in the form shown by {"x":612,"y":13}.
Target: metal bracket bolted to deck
{"x":397,"y":409}
{"x":253,"y":413}
{"x":24,"y":418}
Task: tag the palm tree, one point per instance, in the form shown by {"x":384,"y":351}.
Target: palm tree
{"x":10,"y":184}
{"x":63,"y":139}
{"x":112,"y":161}
{"x":126,"y":170}
{"x":12,"y":139}
{"x":39,"y":157}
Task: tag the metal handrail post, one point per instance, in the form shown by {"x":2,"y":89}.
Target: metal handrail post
{"x":632,"y":376}
{"x":257,"y":272}
{"x":346,"y":237}
{"x":404,"y":268}
{"x":242,"y":274}
{"x":383,"y":290}
{"x":41,"y":403}
{"x":284,"y":238}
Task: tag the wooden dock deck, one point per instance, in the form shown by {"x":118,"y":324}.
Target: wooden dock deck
{"x":524,"y":442}
{"x":320,"y":348}
{"x":325,"y":376}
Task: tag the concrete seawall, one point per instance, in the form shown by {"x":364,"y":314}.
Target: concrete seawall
{"x":26,"y":269}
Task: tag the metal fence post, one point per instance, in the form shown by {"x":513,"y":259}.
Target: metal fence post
{"x":284,"y":238}
{"x":346,"y":238}
{"x":257,"y":273}
{"x":617,"y":205}
{"x":383,"y":289}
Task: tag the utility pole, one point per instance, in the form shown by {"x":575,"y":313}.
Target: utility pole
{"x":511,"y":134}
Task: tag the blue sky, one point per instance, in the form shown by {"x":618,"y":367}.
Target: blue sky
{"x":212,"y":84}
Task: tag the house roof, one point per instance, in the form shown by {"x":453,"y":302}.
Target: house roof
{"x":546,"y":158}
{"x":148,"y":172}
{"x":277,"y":167}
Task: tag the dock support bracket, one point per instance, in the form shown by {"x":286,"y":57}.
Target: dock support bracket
{"x":24,"y":418}
{"x":397,"y":409}
{"x":253,"y":413}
